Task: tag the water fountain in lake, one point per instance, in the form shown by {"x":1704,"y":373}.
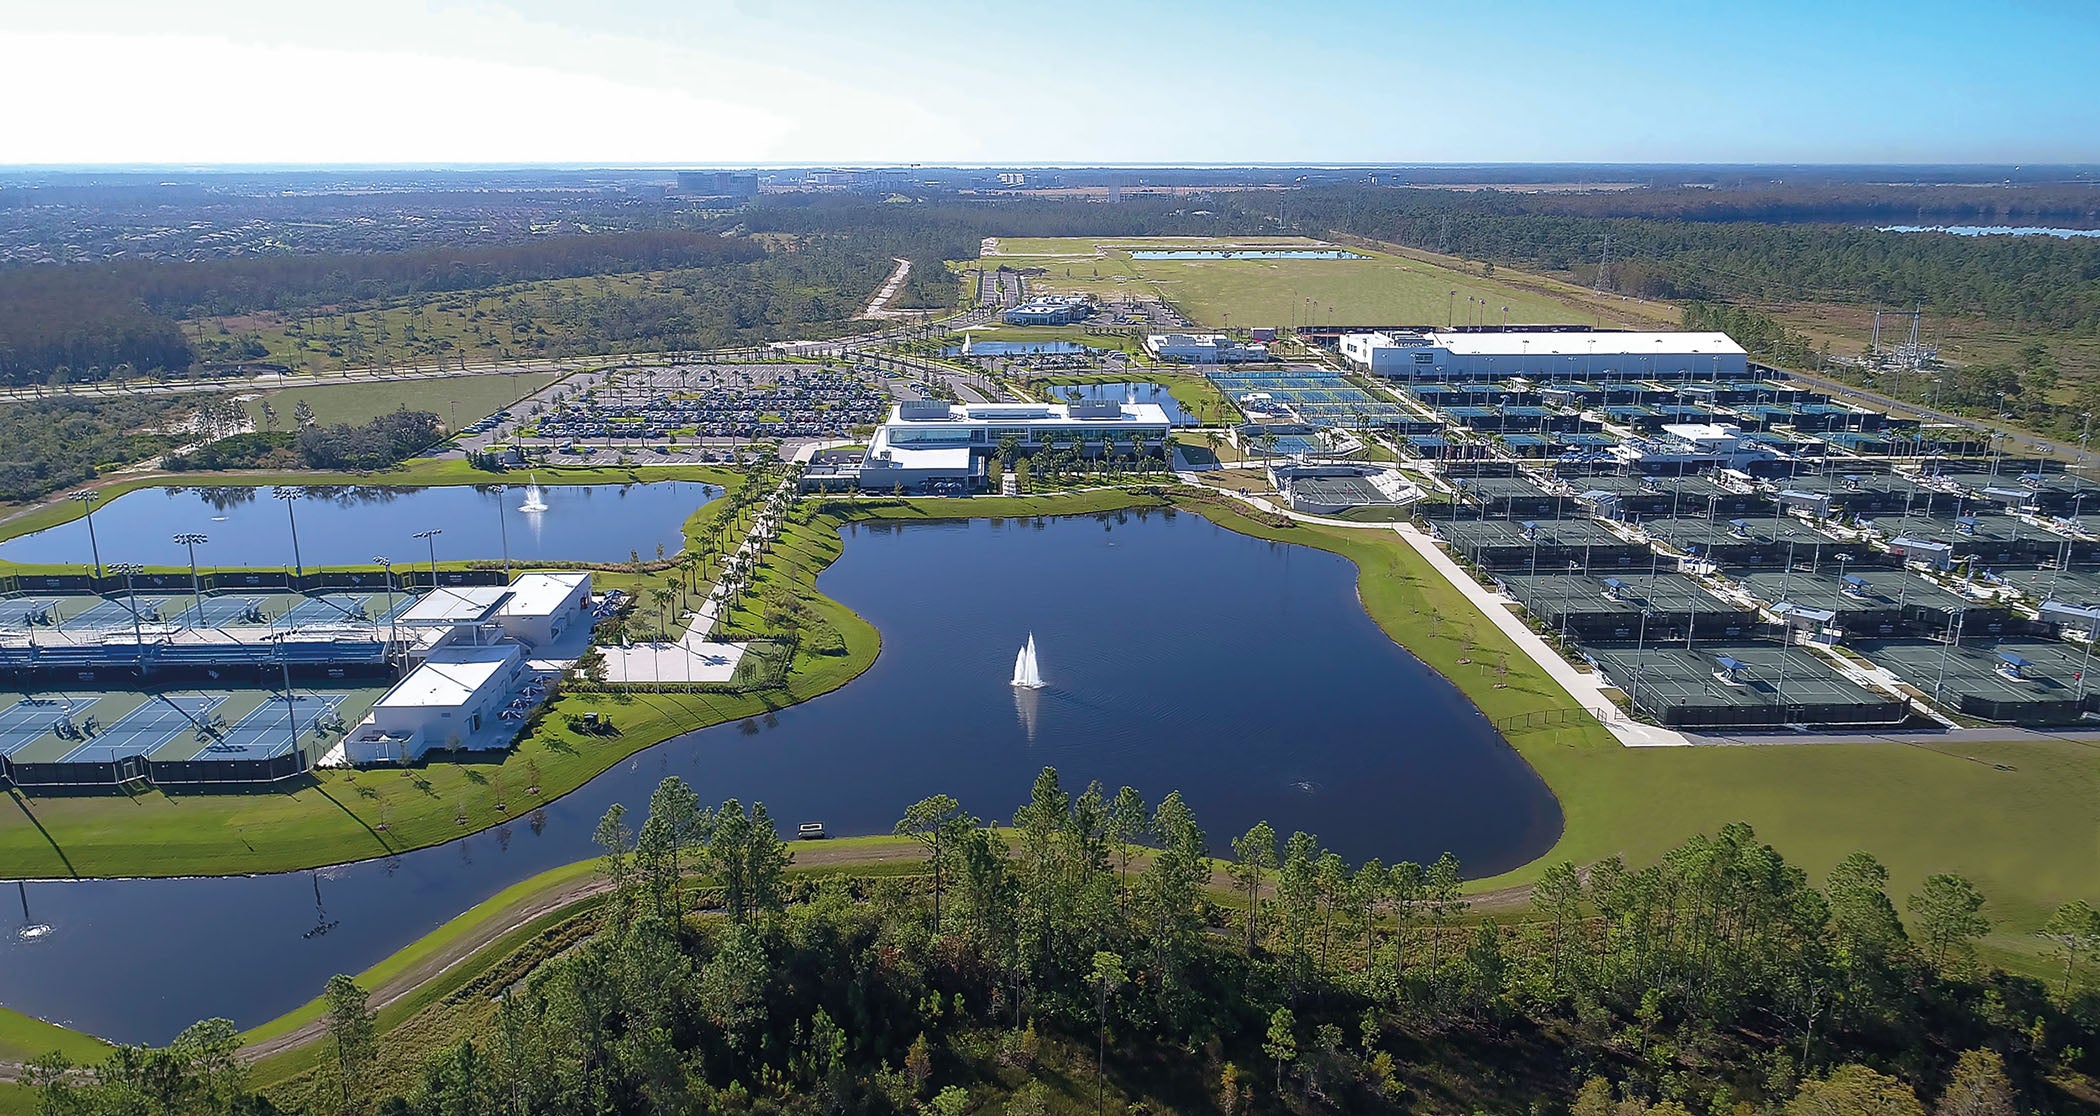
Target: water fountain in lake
{"x":1027,"y":675}
{"x":535,"y":500}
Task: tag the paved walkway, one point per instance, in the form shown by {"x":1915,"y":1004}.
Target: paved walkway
{"x":697,"y":656}
{"x":1584,"y":687}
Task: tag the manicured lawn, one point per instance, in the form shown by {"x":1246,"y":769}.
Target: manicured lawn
{"x":1393,"y":287}
{"x":23,"y":1038}
{"x":477,"y":396}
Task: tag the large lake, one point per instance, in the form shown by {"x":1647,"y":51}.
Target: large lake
{"x":1178,"y":655}
{"x":348,"y":525}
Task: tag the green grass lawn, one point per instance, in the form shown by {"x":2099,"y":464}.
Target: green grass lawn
{"x":477,"y":397}
{"x":1391,"y":287}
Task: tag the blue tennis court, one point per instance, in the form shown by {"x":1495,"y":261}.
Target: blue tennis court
{"x":1315,"y":395}
{"x":151,"y":726}
{"x":30,"y":718}
{"x":113,"y":614}
{"x":18,"y":612}
{"x":268,"y":731}
{"x":333,"y":608}
{"x":218,"y":612}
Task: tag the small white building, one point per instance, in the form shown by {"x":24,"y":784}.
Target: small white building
{"x":455,"y":699}
{"x":544,"y":605}
{"x":1546,"y":354}
{"x":1202,"y":348}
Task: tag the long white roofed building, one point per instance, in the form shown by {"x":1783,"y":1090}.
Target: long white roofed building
{"x":1546,"y":354}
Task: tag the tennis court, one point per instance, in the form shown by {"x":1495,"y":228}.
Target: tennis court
{"x":19,"y":612}
{"x":268,"y":730}
{"x":30,"y":718}
{"x":151,"y":726}
{"x":219,"y":612}
{"x":337,"y":608}
{"x":114,"y":614}
{"x":1316,"y":396}
{"x":1742,"y":684}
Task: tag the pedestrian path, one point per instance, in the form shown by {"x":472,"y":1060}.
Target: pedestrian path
{"x":696,"y":655}
{"x":1584,"y":687}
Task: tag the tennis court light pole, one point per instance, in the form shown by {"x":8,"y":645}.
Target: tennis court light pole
{"x":289,"y":494}
{"x":86,"y":498}
{"x":190,"y":539}
{"x":430,"y":537}
{"x":138,"y":633}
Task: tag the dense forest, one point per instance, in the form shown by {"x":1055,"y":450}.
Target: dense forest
{"x":1090,"y":957}
{"x":2037,"y":280}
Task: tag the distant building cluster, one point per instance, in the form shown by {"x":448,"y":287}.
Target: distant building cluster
{"x":716,"y":184}
{"x":1050,"y":310}
{"x":1203,"y":348}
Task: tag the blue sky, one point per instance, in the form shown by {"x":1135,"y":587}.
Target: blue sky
{"x":733,"y":81}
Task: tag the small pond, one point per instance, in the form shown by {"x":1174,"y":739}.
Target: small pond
{"x":349,"y":525}
{"x":1246,"y":254}
{"x":1178,"y":655}
{"x":1121,"y":391}
{"x":1020,"y":348}
{"x":1994,"y":230}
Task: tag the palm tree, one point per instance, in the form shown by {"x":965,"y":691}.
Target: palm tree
{"x":662,"y":595}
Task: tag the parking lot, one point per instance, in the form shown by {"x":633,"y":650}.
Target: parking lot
{"x":699,"y":412}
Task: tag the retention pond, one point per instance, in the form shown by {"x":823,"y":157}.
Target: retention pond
{"x":1177,"y":655}
{"x":348,"y":525}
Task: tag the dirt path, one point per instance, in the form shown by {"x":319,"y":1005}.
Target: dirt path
{"x":878,"y":307}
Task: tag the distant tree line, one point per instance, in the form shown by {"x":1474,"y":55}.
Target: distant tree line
{"x":2034,"y":280}
{"x":1086,"y":956}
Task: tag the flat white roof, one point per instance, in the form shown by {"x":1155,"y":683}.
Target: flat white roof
{"x":908,"y":457}
{"x":542,"y":594}
{"x":1701,"y":431}
{"x":1033,"y":414}
{"x":466,"y":604}
{"x":450,"y":677}
{"x":1547,"y":343}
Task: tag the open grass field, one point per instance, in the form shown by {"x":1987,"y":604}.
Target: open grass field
{"x":1088,"y":245}
{"x":1962,"y":341}
{"x":498,"y":323}
{"x":1389,"y":288}
{"x":468,"y":397}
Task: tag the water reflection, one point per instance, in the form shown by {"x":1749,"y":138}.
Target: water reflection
{"x":347,"y":524}
{"x":1186,"y":657}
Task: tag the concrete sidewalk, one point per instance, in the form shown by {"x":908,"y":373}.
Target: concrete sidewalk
{"x":1584,"y":688}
